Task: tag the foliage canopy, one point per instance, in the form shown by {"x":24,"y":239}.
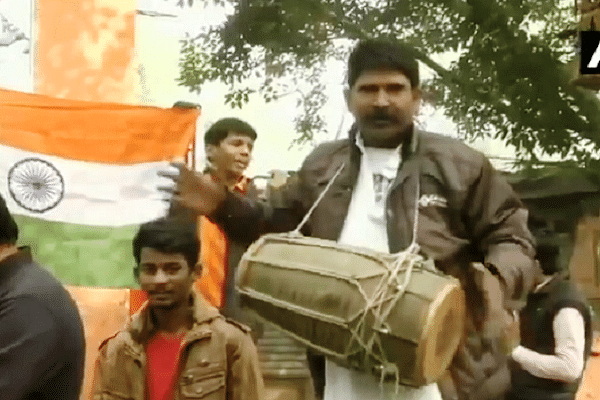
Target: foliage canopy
{"x":509,"y":80}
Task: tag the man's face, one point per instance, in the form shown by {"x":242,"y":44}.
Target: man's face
{"x":166,"y":277}
{"x":232,"y":155}
{"x":384,"y":104}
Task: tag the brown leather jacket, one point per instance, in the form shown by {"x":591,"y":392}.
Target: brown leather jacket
{"x":219,"y":360}
{"x":467,"y":213}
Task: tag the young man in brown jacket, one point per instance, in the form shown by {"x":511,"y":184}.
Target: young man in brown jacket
{"x":177,"y":346}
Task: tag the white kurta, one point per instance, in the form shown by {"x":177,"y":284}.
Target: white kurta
{"x":365,"y":226}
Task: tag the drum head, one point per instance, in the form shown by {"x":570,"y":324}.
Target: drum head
{"x":442,"y":332}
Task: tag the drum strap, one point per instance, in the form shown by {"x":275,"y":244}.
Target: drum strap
{"x":413,"y":248}
{"x":389,"y":291}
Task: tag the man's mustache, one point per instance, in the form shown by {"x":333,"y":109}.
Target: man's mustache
{"x":382,"y":115}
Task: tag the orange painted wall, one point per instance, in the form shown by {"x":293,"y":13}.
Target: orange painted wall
{"x":103,"y":312}
{"x":85,"y":50}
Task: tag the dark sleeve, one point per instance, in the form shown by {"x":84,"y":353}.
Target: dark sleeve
{"x":244,"y":218}
{"x":499,"y":225}
{"x":29,"y":346}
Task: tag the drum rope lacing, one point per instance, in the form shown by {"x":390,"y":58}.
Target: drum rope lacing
{"x":374,"y":304}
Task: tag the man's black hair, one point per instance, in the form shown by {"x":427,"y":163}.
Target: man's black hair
{"x":9,"y":231}
{"x":375,"y":54}
{"x":170,"y":236}
{"x":220,"y":129}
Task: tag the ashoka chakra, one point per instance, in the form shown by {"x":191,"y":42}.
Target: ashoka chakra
{"x":36,"y":185}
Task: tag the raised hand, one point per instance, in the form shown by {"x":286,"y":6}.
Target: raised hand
{"x":200,"y":193}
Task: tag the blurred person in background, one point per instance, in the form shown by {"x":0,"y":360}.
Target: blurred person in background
{"x":42,"y":343}
{"x":556,"y":333}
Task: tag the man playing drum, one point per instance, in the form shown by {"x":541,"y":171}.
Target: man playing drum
{"x":467,"y":212}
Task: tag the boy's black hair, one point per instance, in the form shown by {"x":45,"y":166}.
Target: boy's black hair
{"x":9,"y":231}
{"x":170,"y":236}
{"x":375,"y":54}
{"x":220,"y":129}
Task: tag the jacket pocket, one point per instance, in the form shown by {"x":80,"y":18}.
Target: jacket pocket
{"x":203,"y":383}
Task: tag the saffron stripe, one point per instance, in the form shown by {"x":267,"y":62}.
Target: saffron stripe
{"x":96,"y":132}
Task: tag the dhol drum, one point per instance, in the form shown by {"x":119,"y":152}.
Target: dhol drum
{"x":392,"y":315}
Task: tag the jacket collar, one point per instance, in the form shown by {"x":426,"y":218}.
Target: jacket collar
{"x":409,"y":164}
{"x":142,"y":327}
{"x":349,"y":175}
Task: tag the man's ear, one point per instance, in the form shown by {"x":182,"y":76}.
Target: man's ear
{"x":210,"y":151}
{"x":198,"y":269}
{"x":136,"y":273}
{"x":346,"y":94}
{"x":417,"y":93}
{"x":348,"y":98}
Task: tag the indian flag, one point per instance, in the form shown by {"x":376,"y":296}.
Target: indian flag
{"x":80,"y":177}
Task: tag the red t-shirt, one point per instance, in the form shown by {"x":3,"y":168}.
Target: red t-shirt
{"x":162,"y":354}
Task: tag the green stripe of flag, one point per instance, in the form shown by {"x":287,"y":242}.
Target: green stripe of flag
{"x":80,"y":254}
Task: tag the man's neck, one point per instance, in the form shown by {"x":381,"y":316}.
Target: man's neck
{"x":226,"y":178}
{"x":174,"y":320}
{"x":7,"y":250}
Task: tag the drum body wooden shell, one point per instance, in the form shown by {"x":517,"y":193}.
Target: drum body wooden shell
{"x":317,"y":291}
